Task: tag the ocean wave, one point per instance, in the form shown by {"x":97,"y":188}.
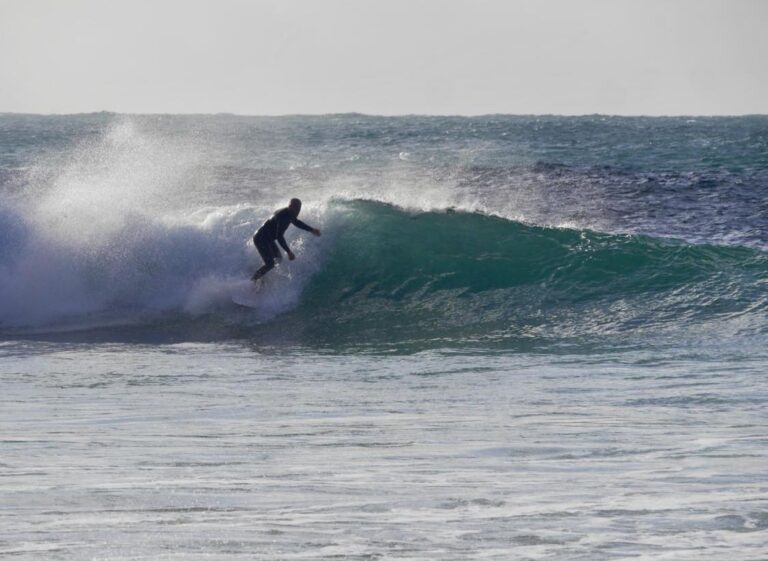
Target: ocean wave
{"x":468,"y":276}
{"x":380,"y":275}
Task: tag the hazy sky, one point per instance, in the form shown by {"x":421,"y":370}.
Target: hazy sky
{"x":385,"y":56}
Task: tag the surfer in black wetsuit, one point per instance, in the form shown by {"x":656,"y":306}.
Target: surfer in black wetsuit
{"x":272,"y":231}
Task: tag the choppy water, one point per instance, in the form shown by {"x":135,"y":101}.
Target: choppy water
{"x":517,"y":338}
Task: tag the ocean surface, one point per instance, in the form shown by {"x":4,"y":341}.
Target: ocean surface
{"x":518,"y":337}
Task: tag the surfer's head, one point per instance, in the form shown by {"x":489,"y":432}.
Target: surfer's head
{"x":295,"y":206}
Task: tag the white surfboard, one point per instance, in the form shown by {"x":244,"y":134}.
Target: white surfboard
{"x":247,"y":294}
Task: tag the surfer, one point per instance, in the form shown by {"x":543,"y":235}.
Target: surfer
{"x":272,"y":231}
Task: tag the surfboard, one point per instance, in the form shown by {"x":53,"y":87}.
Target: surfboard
{"x":246,"y":295}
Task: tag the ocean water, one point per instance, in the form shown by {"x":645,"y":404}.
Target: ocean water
{"x":518,"y":337}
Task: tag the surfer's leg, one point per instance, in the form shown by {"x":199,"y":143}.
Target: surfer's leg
{"x":267,"y":254}
{"x":276,"y":255}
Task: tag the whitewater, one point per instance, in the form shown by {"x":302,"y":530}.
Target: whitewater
{"x":519,"y":337}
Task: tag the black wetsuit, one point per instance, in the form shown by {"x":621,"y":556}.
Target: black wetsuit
{"x":272,"y":231}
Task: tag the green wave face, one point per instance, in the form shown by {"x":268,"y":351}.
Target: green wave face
{"x":454,"y":277}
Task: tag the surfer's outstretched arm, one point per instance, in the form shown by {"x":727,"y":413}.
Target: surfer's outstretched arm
{"x":304,"y":226}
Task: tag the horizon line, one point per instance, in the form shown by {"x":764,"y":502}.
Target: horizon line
{"x":387,"y":115}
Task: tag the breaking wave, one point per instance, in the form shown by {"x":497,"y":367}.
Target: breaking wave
{"x":381,"y":275}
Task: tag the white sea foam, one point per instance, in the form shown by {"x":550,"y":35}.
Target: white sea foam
{"x":110,"y":234}
{"x":219,"y":452}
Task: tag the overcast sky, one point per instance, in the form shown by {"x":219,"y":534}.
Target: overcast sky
{"x":266,"y":57}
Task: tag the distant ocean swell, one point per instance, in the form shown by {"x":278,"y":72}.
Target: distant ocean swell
{"x":381,"y":274}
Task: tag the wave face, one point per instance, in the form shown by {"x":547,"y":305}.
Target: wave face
{"x":456,"y":276}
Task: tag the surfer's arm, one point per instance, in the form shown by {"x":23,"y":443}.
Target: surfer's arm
{"x":283,"y":244}
{"x":304,"y":226}
{"x":299,"y":224}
